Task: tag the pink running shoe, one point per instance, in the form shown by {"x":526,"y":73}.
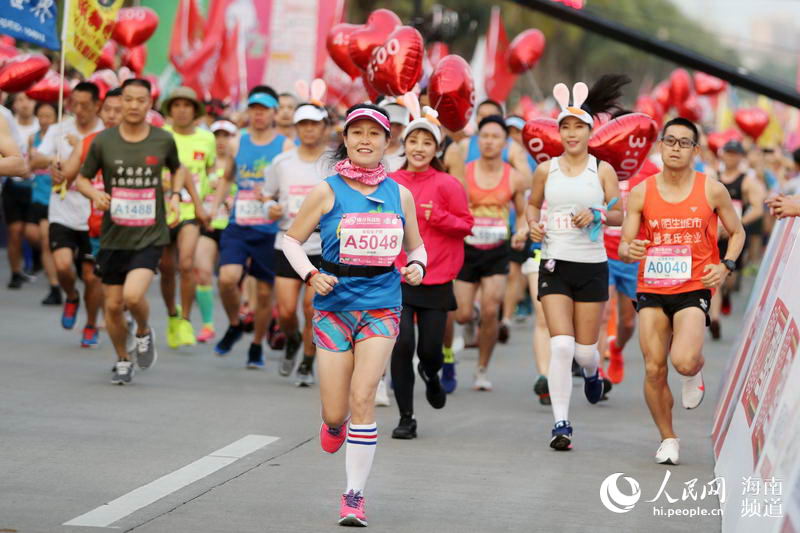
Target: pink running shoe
{"x":331,"y":439}
{"x":206,"y":334}
{"x":351,"y":512}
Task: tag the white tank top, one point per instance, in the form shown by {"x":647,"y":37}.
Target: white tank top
{"x":565,"y":196}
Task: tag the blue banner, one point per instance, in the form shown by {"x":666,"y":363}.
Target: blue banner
{"x":33,"y":21}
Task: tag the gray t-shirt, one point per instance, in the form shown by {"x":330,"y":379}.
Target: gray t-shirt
{"x":289,"y":179}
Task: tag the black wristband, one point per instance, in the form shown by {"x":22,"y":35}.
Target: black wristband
{"x":421,"y":264}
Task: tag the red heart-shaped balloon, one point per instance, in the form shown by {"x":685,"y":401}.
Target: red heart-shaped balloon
{"x":717,"y":139}
{"x":662,"y":96}
{"x":648,"y":105}
{"x":338,"y":43}
{"x":397,"y":65}
{"x":707,"y":84}
{"x":7,"y":40}
{"x":452,"y":92}
{"x":624,"y":143}
{"x":372,"y":93}
{"x":436,"y":52}
{"x":46,"y":89}
{"x":541,"y":139}
{"x":371,"y":35}
{"x":525,"y":50}
{"x":7,"y":52}
{"x":135,"y":58}
{"x":690,"y":109}
{"x":680,"y":86}
{"x":154,"y":118}
{"x":134,"y":26}
{"x":753,"y":121}
{"x":108,"y":56}
{"x":21,"y":72}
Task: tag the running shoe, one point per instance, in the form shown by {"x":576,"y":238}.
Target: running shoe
{"x":90,"y":337}
{"x":305,"y":372}
{"x":293,"y":344}
{"x":206,"y":334}
{"x":616,"y":365}
{"x":231,"y":337}
{"x":716,"y":330}
{"x":255,"y":356}
{"x":607,"y":385}
{"x":593,"y":387}
{"x":185,"y":333}
{"x":503,"y":332}
{"x":248,"y":320}
{"x":146,"y":354}
{"x":16,"y":281}
{"x":382,"y":394}
{"x":561,"y":436}
{"x":406,"y":429}
{"x":726,"y":304}
{"x":70,"y":313}
{"x":53,"y":297}
{"x":123,"y":373}
{"x":693,"y":390}
{"x":482,"y":380}
{"x":541,"y":389}
{"x":449,"y":381}
{"x":433,"y":389}
{"x":172,"y":331}
{"x":351,"y":513}
{"x":331,"y":439}
{"x":668,"y":452}
{"x":276,"y":339}
{"x":524,"y":309}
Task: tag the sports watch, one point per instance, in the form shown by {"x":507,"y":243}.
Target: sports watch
{"x":729,"y":264}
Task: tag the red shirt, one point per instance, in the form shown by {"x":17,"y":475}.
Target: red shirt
{"x":96,"y":215}
{"x":444,"y":220}
{"x":613,"y":235}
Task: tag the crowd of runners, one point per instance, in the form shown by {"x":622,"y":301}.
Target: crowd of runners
{"x":363,"y":237}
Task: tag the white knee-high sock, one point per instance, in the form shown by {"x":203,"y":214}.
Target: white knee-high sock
{"x":361,"y":442}
{"x":559,"y":379}
{"x":587,"y":356}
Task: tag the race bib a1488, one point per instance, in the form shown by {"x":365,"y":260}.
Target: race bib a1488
{"x":133,"y":207}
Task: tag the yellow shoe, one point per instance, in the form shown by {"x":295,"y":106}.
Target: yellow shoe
{"x":172,"y":331}
{"x":185,"y":333}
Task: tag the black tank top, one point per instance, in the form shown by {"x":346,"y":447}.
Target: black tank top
{"x":735,"y":187}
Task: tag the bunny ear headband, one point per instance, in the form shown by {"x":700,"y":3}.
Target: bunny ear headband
{"x":427,"y":118}
{"x":579,"y":94}
{"x":313,"y":107}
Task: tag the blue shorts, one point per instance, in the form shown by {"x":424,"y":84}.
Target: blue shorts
{"x":623,"y":276}
{"x":240,"y":243}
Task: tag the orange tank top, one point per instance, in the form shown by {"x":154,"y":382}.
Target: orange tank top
{"x":683,"y":240}
{"x":490,"y":208}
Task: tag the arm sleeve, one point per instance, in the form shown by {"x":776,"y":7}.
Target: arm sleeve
{"x":92,"y":163}
{"x":296,"y":256}
{"x":454,"y":217}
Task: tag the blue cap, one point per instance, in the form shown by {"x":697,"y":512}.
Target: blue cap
{"x":267,"y":100}
{"x":515,"y":122}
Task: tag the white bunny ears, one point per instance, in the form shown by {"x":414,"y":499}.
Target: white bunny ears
{"x":427,"y":118}
{"x":580,"y":91}
{"x":313,"y":105}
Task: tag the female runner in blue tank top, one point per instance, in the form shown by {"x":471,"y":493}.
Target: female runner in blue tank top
{"x":365,"y":220}
{"x":581,"y":195}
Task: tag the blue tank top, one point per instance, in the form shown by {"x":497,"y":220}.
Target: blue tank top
{"x":251,"y":162}
{"x":42,"y":182}
{"x":474,"y":151}
{"x":356,"y":293}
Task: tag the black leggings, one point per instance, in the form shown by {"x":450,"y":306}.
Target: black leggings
{"x":431,"y":324}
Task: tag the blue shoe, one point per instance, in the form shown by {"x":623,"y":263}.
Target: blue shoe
{"x":70,"y":314}
{"x":231,"y":337}
{"x":90,"y":338}
{"x":449,"y":382}
{"x":562,"y":436}
{"x":255,"y":356}
{"x":593,"y":387}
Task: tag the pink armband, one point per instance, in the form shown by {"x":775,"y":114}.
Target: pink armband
{"x":293,"y":250}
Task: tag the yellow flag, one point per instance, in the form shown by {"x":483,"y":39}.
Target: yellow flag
{"x":89,"y":26}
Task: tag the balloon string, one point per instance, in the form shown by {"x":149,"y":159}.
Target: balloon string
{"x":537,"y":91}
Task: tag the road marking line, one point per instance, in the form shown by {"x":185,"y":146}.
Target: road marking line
{"x":115,"y":510}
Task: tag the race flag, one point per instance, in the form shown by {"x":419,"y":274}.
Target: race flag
{"x":187,"y":34}
{"x":226,"y":84}
{"x":200,"y":68}
{"x":33,"y":21}
{"x":89,"y":27}
{"x":499,"y":78}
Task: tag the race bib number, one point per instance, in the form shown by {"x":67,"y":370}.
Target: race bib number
{"x":185,"y":196}
{"x":370,"y":239}
{"x":297,"y":193}
{"x":560,"y":222}
{"x":487,"y":232}
{"x":249,"y":209}
{"x":668,"y":266}
{"x":133,"y":207}
{"x":222,"y":213}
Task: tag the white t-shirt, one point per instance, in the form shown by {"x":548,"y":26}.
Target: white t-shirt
{"x":27,"y":130}
{"x":71,"y":211}
{"x":15,"y":133}
{"x":393,"y":162}
{"x":290,"y":180}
